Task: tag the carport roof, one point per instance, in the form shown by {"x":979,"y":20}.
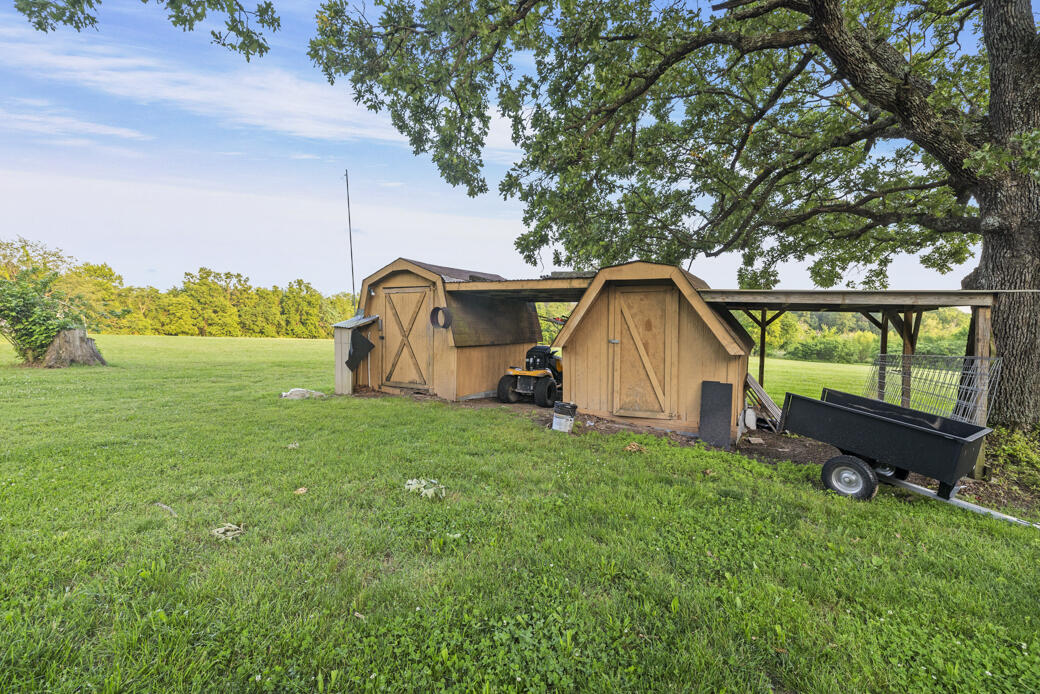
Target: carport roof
{"x":573,"y":288}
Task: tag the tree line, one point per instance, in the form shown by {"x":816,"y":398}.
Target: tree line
{"x":850,"y":338}
{"x":207,"y":303}
{"x":225,"y":304}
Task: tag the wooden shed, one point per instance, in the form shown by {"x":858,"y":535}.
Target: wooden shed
{"x":458,"y":352}
{"x":641,"y":343}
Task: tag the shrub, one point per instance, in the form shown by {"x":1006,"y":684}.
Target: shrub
{"x":825,"y":347}
{"x":32,"y":313}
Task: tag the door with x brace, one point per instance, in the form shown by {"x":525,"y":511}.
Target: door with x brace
{"x":645,"y":342}
{"x":408,"y":337}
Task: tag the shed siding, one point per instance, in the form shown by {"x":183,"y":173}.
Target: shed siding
{"x":701,"y":358}
{"x":378,"y":361}
{"x":587,"y":372}
{"x":479,"y":368}
{"x":445,"y":363}
{"x":341,"y":348}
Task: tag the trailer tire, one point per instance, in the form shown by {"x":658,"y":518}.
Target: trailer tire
{"x":507,"y":389}
{"x":891,"y":472}
{"x":545,"y":392}
{"x":849,"y":476}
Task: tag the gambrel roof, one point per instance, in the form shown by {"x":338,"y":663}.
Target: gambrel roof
{"x":726,"y":329}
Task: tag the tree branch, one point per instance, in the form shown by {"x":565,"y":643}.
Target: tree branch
{"x":879,"y":72}
{"x":742,"y":43}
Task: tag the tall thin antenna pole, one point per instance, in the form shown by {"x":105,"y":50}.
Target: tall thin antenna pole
{"x":350,"y":235}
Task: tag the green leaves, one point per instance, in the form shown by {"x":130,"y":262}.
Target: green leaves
{"x":656,"y":132}
{"x":32,"y":312}
{"x":833,"y":134}
{"x":242,"y":28}
{"x":1022,"y":155}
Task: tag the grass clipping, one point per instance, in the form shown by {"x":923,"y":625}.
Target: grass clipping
{"x":427,"y":489}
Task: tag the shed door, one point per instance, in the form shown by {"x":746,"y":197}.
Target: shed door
{"x":644,"y":323}
{"x":408,"y":337}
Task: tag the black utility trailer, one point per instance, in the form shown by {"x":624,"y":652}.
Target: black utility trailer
{"x":878,"y":439}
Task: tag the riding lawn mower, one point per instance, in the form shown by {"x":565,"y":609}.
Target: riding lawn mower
{"x":541,"y":378}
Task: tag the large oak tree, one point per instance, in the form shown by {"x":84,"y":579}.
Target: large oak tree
{"x":835,"y":133}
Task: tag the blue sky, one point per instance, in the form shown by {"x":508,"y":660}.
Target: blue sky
{"x":157,"y":152}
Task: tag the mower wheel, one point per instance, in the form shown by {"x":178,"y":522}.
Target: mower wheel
{"x":507,"y":389}
{"x":545,"y":392}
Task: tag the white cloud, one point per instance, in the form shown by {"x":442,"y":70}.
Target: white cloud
{"x":253,"y":95}
{"x":256,"y":95}
{"x":48,"y":122}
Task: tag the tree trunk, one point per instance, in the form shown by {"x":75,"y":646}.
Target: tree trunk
{"x":1009,"y":212}
{"x":1010,"y":260}
{"x":72,"y":347}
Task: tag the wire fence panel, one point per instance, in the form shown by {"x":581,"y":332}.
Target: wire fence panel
{"x":956,"y":387}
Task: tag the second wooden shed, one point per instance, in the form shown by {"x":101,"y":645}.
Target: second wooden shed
{"x":458,"y":352}
{"x":641,"y":343}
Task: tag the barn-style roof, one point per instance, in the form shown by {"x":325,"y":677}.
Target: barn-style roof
{"x":476,"y":320}
{"x":454,"y":274}
{"x":722,"y":324}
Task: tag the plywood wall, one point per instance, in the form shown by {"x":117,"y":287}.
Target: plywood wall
{"x":587,"y":372}
{"x":479,"y":368}
{"x":453,"y":373}
{"x":341,"y":348}
{"x":701,"y":358}
{"x":372,"y":371}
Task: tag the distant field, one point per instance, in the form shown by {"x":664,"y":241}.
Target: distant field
{"x":555,"y":562}
{"x":782,"y":375}
{"x":809,"y":377}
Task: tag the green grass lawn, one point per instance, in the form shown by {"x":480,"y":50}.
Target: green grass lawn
{"x":554,"y":563}
{"x":809,"y":377}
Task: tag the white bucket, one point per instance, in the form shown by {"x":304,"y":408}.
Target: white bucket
{"x":562,"y":422}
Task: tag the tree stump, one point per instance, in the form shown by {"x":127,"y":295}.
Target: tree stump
{"x":72,"y":347}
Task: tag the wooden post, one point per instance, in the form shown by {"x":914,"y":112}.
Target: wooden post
{"x":882,"y":373}
{"x":908,"y":352}
{"x":981,"y":317}
{"x":762,"y":348}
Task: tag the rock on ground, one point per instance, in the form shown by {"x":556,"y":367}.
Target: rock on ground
{"x":302,"y":394}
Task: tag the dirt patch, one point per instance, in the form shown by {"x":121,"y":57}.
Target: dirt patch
{"x":999,"y":492}
{"x":366,"y":392}
{"x":769,"y":447}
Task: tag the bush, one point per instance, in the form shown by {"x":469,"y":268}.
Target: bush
{"x":825,"y":347}
{"x":32,"y":313}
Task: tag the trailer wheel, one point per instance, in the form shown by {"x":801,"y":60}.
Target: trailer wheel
{"x":849,"y":476}
{"x":507,"y":389}
{"x":891,"y":472}
{"x":545,"y":392}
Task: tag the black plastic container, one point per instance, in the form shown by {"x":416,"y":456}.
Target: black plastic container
{"x":568,"y":409}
